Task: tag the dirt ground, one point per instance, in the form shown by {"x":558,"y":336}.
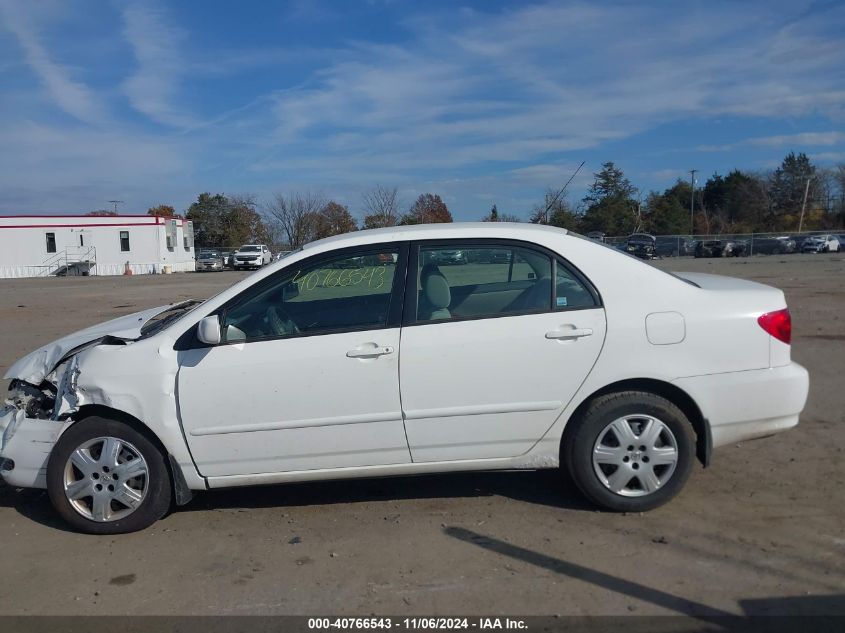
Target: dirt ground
{"x":760,"y":531}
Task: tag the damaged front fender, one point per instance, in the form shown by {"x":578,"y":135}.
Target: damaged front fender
{"x":121,"y":365}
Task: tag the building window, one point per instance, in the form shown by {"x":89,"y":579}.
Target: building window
{"x":51,"y":242}
{"x":81,"y":240}
{"x":124,"y":241}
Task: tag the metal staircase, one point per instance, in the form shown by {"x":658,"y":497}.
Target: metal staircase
{"x":72,"y":261}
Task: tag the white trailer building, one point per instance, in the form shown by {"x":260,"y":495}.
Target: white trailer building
{"x":44,"y":245}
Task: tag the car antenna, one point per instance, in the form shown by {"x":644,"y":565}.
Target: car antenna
{"x":557,"y":196}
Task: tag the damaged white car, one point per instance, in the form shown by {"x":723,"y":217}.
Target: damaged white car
{"x":363,"y":355}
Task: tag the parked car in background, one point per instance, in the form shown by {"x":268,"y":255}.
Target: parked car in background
{"x":666,"y":246}
{"x":820,"y":244}
{"x":641,"y":245}
{"x":721,"y":248}
{"x":451,"y":257}
{"x":773,"y":245}
{"x":598,"y":236}
{"x":576,"y":357}
{"x":252,"y":256}
{"x":228,"y":256}
{"x":688,"y":246}
{"x":209,"y":260}
{"x":487,"y":256}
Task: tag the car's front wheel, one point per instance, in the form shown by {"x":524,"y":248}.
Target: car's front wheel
{"x":630,"y":451}
{"x":104,"y":477}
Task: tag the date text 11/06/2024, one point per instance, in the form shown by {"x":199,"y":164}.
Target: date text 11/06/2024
{"x":418,"y":623}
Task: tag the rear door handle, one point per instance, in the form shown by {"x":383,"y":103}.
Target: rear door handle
{"x":568,"y":333}
{"x":369,"y":351}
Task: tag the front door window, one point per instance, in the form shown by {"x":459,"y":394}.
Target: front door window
{"x":349,"y":292}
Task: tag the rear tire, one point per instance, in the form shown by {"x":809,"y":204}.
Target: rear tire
{"x":630,"y":451}
{"x":105,"y":477}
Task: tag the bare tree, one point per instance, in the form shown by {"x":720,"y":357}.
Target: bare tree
{"x":296,"y":213}
{"x":381,"y":207}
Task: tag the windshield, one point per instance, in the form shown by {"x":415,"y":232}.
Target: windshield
{"x":164,"y":319}
{"x":250,"y":249}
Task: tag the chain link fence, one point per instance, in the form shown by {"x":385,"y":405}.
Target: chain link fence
{"x":742,"y":244}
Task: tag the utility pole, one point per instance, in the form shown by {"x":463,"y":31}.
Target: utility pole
{"x":804,"y":205}
{"x":692,"y":201}
{"x":115,"y":203}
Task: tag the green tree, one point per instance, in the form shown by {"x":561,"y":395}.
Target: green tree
{"x":555,"y":211}
{"x":667,"y":213}
{"x":333,"y":219}
{"x":493,"y":216}
{"x":786,"y":190}
{"x":162,"y":211}
{"x":427,"y":209}
{"x":244,"y":225}
{"x":737,"y":203}
{"x":223,"y":221}
{"x":611,"y":205}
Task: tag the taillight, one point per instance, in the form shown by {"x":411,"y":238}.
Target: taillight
{"x":778,"y":324}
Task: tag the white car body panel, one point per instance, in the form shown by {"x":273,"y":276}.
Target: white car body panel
{"x":36,"y":365}
{"x":293,"y":404}
{"x":724,"y":357}
{"x":749,"y":404}
{"x":505,"y":385}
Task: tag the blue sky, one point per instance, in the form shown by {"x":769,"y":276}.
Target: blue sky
{"x":485,"y":102}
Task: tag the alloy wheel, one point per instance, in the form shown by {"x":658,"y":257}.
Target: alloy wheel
{"x":635,"y":455}
{"x":106,"y":479}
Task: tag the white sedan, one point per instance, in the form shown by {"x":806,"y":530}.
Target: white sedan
{"x":364,"y":355}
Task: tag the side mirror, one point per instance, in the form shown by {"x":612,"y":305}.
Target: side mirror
{"x":208,"y":330}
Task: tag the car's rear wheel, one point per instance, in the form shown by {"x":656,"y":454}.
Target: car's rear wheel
{"x":104,"y":477}
{"x":630,"y":451}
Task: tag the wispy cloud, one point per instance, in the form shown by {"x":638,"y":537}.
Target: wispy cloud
{"x":487,"y":104}
{"x":803,"y":139}
{"x":72,"y":96}
{"x":531,"y":81}
{"x":153,"y":87}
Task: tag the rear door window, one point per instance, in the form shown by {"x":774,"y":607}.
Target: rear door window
{"x":465,"y":281}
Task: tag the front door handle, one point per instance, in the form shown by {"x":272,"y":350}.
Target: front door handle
{"x":369,"y":351}
{"x":569,"y":333}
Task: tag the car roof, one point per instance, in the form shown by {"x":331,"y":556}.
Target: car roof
{"x":451,"y":230}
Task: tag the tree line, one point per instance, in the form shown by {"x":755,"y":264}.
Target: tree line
{"x":739,"y":202}
{"x":289,"y":220}
{"x":797,"y":195}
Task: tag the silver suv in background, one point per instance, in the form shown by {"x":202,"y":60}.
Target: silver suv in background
{"x":252,"y":256}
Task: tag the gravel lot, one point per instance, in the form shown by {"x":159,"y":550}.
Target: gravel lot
{"x":760,"y":531}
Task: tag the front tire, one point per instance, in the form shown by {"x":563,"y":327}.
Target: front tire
{"x":105,"y":477}
{"x":630,"y":451}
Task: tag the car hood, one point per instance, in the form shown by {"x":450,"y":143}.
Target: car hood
{"x":34,"y":367}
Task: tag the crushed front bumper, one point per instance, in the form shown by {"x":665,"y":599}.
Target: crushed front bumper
{"x":25,"y":446}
